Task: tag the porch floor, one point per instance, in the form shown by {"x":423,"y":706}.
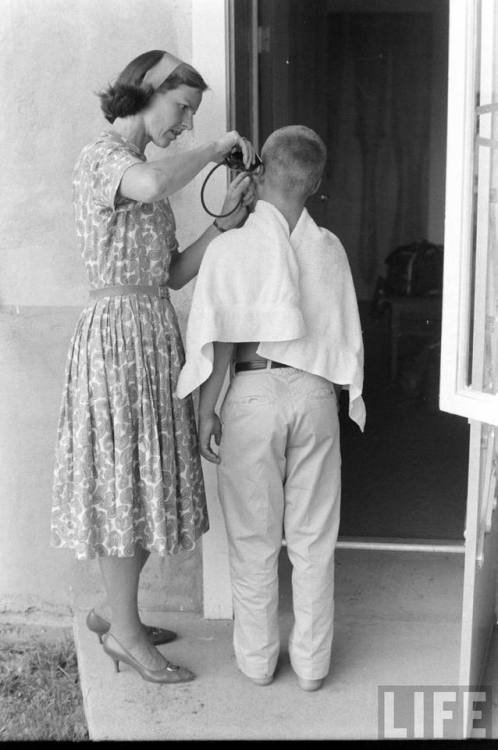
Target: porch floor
{"x":397,"y":622}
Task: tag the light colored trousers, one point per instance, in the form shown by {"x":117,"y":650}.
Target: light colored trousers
{"x":280,"y":475}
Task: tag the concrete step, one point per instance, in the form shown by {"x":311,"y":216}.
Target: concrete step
{"x":396,"y":623}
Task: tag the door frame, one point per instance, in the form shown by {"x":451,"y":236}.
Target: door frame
{"x":210,"y":54}
{"x":218,"y":58}
{"x":472,"y":97}
{"x":245,"y":12}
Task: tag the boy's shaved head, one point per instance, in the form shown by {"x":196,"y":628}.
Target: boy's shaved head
{"x":294,"y":159}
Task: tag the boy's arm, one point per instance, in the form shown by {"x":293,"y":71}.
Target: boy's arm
{"x":209,"y":423}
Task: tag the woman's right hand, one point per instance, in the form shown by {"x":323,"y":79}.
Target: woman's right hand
{"x":225,"y":144}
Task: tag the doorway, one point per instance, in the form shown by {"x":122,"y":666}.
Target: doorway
{"x":370,"y":77}
{"x":463,"y":55}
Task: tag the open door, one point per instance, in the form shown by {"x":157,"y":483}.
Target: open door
{"x":469,"y":354}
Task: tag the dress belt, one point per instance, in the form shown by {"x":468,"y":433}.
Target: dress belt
{"x":258,"y":364}
{"x":115,"y":291}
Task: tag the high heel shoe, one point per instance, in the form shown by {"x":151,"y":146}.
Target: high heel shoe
{"x":156,"y":636}
{"x":167,"y":674}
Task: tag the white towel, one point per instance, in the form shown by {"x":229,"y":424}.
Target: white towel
{"x":293,"y":294}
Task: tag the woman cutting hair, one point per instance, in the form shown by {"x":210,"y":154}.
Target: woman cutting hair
{"x":128,"y":476}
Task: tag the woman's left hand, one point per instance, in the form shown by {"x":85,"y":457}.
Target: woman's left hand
{"x":241,"y":193}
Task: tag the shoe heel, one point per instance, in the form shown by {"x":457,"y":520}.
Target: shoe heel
{"x":99,"y":635}
{"x":116,"y":664}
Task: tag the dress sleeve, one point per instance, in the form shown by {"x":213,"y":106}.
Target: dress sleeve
{"x":110,"y":166}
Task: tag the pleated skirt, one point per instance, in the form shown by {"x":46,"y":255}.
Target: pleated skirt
{"x":127,"y":467}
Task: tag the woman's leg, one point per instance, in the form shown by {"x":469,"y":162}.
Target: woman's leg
{"x":121,"y":576}
{"x":104,"y":608}
{"x":144,"y":556}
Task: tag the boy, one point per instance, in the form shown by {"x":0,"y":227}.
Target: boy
{"x":276,"y":296}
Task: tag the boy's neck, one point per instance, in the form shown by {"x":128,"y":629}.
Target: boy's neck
{"x":291,"y":209}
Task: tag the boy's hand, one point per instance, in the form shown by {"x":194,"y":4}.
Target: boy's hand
{"x":209,"y":426}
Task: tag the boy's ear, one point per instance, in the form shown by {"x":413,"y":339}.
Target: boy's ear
{"x":259,"y":174}
{"x":316,"y":186}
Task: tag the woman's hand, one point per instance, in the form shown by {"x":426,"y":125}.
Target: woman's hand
{"x":250,"y":197}
{"x":240,"y":193}
{"x":226,"y":143}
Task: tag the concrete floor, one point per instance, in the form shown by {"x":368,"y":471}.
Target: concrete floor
{"x":397,"y":623}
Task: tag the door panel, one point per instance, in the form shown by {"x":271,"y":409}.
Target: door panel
{"x":481,"y":543}
{"x":469,"y":371}
{"x":469,"y":358}
{"x":275,"y":67}
{"x":243,"y":64}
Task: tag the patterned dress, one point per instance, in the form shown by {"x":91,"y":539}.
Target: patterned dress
{"x":127,"y":467}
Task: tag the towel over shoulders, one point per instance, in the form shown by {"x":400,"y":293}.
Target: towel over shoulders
{"x":294,"y":294}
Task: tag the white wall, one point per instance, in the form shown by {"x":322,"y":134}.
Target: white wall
{"x":55,"y":55}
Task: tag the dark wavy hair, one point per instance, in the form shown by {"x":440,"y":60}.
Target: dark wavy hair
{"x":126,"y":97}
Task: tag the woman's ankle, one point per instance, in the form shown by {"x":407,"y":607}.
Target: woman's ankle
{"x":128,"y":635}
{"x":103,"y":610}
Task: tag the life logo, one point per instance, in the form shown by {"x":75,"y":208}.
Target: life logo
{"x":434,"y":712}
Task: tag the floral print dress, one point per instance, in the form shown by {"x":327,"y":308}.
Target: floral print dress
{"x":127,"y":467}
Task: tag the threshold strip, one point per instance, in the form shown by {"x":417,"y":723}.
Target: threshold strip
{"x":402,"y":545}
{"x":399,"y":545}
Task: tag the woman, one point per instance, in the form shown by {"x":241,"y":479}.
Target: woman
{"x":127,"y":472}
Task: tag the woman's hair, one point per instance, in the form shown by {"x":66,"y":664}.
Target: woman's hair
{"x":127,"y":97}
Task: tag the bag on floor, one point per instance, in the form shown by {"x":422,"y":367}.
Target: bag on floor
{"x":415,"y":270}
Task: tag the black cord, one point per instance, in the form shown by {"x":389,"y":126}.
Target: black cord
{"x":206,"y":209}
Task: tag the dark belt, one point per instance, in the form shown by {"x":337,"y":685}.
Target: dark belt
{"x":258,"y":364}
{"x":115,"y":291}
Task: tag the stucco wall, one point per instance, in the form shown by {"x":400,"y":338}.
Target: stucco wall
{"x":55,"y":55}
